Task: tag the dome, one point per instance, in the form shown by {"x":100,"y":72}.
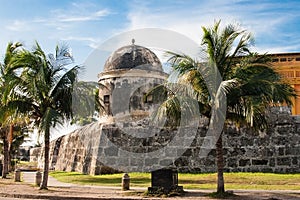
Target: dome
{"x":133,"y":56}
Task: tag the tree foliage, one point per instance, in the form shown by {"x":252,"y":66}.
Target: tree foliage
{"x":43,"y":90}
{"x":11,"y":123}
{"x":231,"y":73}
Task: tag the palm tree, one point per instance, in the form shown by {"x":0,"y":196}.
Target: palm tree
{"x":44,"y":91}
{"x":231,"y":73}
{"x":7,"y":117}
{"x":86,"y":102}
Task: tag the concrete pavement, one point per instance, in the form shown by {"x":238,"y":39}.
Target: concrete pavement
{"x":29,"y":177}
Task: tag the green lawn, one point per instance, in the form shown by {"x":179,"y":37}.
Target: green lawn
{"x":260,"y":181}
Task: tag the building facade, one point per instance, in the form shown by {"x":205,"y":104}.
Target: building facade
{"x":288,"y":65}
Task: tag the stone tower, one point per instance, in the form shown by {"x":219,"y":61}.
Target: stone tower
{"x":129,"y":74}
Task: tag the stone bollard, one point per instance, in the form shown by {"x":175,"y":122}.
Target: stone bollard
{"x":18,"y":175}
{"x":125,"y":182}
{"x":38,"y":178}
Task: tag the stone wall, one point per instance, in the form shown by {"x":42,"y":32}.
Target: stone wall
{"x":97,"y":148}
{"x":35,"y":154}
{"x":275,"y":150}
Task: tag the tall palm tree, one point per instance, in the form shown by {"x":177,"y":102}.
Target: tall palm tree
{"x":231,"y":73}
{"x":7,"y":117}
{"x":44,"y":91}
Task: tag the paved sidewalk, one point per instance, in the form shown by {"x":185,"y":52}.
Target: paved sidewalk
{"x":29,"y":177}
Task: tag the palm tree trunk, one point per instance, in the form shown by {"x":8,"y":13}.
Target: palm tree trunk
{"x":44,"y":184}
{"x":220,"y":165}
{"x":10,"y":139}
{"x":5,"y":156}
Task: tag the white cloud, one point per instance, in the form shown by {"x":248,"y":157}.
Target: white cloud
{"x":83,"y":17}
{"x":92,"y":42}
{"x":90,"y":39}
{"x":262,"y":19}
{"x":18,"y":25}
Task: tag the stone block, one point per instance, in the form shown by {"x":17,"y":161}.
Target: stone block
{"x":279,"y":140}
{"x":244,"y":162}
{"x":292,"y":170}
{"x":123,"y":161}
{"x":212,"y":153}
{"x":111,"y":161}
{"x":232,"y":162}
{"x":295,"y":160}
{"x":259,"y":162}
{"x":281,"y":151}
{"x":234,"y":152}
{"x":284,"y":161}
{"x":188,"y":153}
{"x":182,"y":162}
{"x":246,"y":141}
{"x":267,"y":152}
{"x":180,"y":152}
{"x":280,"y":170}
{"x":111,"y":151}
{"x":139,"y":149}
{"x":266,"y":170}
{"x":165,"y":162}
{"x":170,"y":152}
{"x":151,"y":161}
{"x":210,"y":161}
{"x":284,"y":130}
{"x":272,"y":162}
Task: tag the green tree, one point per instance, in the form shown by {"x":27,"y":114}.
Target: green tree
{"x":85,"y":103}
{"x":44,"y":91}
{"x":231,"y":73}
{"x":8,"y":117}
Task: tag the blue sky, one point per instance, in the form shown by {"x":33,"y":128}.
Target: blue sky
{"x":86,"y":24}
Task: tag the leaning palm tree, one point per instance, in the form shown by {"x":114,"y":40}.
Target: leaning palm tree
{"x":44,"y":91}
{"x":231,"y":78}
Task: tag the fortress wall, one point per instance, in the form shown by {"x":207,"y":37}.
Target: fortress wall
{"x":86,"y":151}
{"x":274,"y":150}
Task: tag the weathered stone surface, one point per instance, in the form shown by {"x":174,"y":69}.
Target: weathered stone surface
{"x":85,"y":149}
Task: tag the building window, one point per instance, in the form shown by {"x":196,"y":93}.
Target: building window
{"x":282,"y":59}
{"x":298,"y":59}
{"x":288,"y":74}
{"x":275,"y":60}
{"x":106,"y":99}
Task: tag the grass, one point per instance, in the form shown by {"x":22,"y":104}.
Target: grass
{"x":27,"y":165}
{"x":233,"y":181}
{"x":136,"y":179}
{"x":258,"y":181}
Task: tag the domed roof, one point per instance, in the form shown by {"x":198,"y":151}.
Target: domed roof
{"x":133,"y":56}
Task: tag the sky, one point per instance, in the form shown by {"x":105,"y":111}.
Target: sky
{"x":89,"y":25}
{"x":85,"y":25}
